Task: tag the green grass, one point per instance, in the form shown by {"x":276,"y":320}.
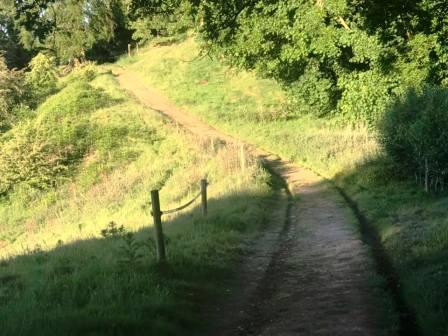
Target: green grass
{"x":59,"y":275}
{"x":412,"y":225}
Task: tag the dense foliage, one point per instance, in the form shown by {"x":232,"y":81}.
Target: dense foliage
{"x":39,"y":151}
{"x":11,"y":93}
{"x":20,"y":91}
{"x":352,"y":59}
{"x":41,"y":80}
{"x":158,"y":18}
{"x":414,"y":134}
{"x":335,"y":55}
{"x":72,"y":29}
{"x":14,"y":53}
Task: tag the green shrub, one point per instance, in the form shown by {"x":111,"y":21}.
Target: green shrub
{"x":86,"y":72}
{"x":41,"y":80}
{"x":11,"y":94}
{"x":312,"y":93}
{"x":365,"y":97}
{"x":414,"y":132}
{"x":27,"y":156}
{"x":39,"y":151}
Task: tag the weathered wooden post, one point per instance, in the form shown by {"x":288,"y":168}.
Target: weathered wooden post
{"x":204,"y":184}
{"x":157,"y":215}
{"x":136,"y":46}
{"x":129,"y":49}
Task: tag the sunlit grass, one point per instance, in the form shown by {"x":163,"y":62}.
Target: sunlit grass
{"x":251,"y":108}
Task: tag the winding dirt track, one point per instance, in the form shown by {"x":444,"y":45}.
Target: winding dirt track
{"x":315,"y":278}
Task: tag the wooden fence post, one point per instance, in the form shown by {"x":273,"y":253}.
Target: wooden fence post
{"x":129,"y":50}
{"x":204,"y":196}
{"x":157,"y":215}
{"x":136,"y":46}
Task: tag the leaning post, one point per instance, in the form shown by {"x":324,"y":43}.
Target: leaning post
{"x":204,"y":184}
{"x":157,"y":216}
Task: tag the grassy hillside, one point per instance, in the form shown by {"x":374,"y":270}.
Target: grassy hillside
{"x":411,"y":224}
{"x":76,"y":247}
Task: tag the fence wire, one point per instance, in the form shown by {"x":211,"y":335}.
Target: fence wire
{"x":182,"y":207}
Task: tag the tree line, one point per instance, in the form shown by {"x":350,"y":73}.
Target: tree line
{"x":359,"y":61}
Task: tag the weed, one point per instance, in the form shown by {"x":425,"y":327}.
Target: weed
{"x":113,"y":231}
{"x":130,"y":255}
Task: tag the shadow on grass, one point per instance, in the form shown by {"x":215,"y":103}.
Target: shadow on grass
{"x":406,"y":229}
{"x":113,"y":286}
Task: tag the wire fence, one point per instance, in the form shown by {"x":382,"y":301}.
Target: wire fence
{"x":157,"y":213}
{"x":157,"y":216}
{"x":182,"y":207}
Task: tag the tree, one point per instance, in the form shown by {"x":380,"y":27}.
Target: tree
{"x":154,"y":18}
{"x":348,"y":56}
{"x":67,"y":28}
{"x":306,"y":45}
{"x":414,"y":135}
{"x":15,"y":55}
{"x":41,"y":80}
{"x":11,"y":93}
{"x":107,"y":49}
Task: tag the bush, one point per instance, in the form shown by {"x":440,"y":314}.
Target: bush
{"x":27,"y":156}
{"x":366,"y":96}
{"x":11,"y":94}
{"x":84,"y":72}
{"x":312,"y":93}
{"x":41,"y":80}
{"x":38,"y":152}
{"x":414,"y":133}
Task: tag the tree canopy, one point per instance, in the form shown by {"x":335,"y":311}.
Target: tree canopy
{"x":344,"y":57}
{"x":324,"y":51}
{"x":69,"y":29}
{"x":351,"y":60}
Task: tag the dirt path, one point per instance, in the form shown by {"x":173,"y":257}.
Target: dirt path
{"x":316,"y":278}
